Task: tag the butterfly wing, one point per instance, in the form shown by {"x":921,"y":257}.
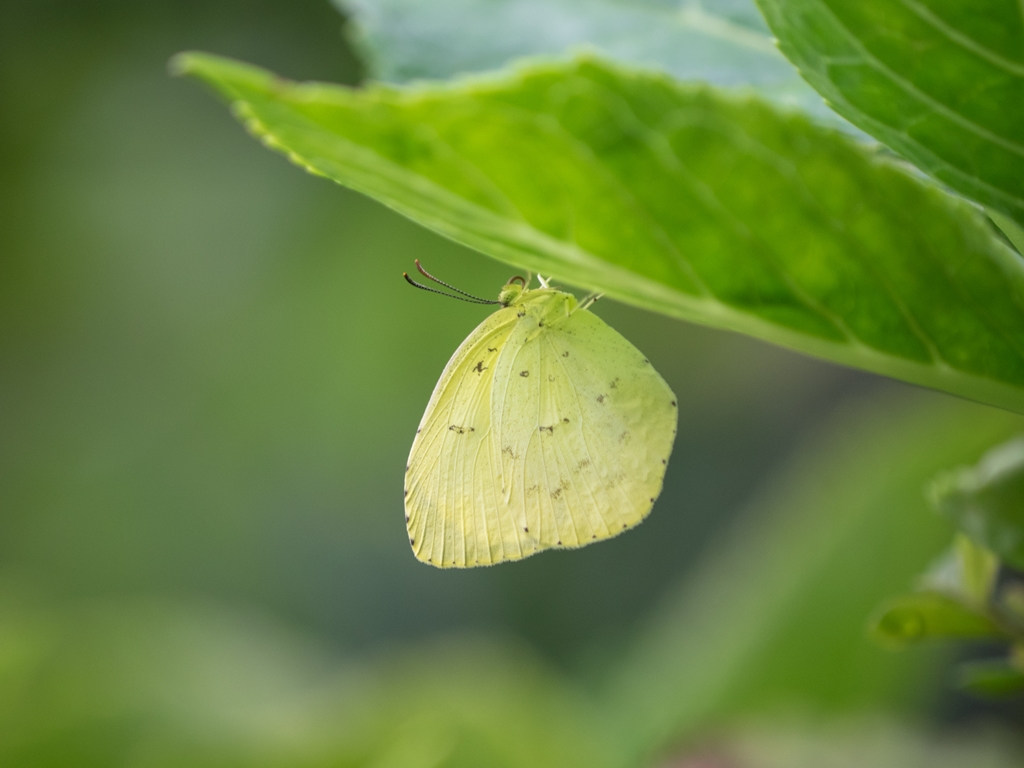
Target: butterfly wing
{"x":452,"y":509}
{"x":584,"y":426}
{"x":537,"y":436}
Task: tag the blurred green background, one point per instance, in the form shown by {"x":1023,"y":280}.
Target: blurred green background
{"x":210,"y":375}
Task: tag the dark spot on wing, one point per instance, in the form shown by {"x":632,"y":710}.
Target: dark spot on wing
{"x":594,"y":536}
{"x":549,"y":430}
{"x":565,"y":420}
{"x":556,"y":493}
{"x":480,"y":367}
{"x":407,"y":518}
{"x":584,"y":463}
{"x":673,"y":403}
{"x":412,"y":541}
{"x":492,"y":349}
{"x":526,"y":529}
{"x":565,"y":354}
{"x":614,"y":384}
{"x":600,"y":398}
{"x":524,"y":374}
{"x":559,"y":543}
{"x":624,"y":436}
{"x":460,"y":430}
{"x":551,"y":378}
{"x":521,"y":313}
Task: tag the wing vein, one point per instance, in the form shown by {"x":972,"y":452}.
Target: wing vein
{"x":586,"y":443}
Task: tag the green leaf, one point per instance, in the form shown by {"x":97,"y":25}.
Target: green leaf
{"x":987,"y":500}
{"x":724,"y":42}
{"x":993,"y":678}
{"x":979,"y":568}
{"x":966,"y":572}
{"x":1014,"y":232}
{"x":942,"y":83}
{"x":707,"y":206}
{"x":929,"y":615}
{"x":1011,"y":606}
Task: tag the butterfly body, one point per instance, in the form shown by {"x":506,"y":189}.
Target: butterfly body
{"x":547,"y":429}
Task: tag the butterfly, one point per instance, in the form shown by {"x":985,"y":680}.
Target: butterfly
{"x":547,"y":429}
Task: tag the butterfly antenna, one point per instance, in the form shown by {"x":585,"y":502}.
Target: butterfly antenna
{"x":470,"y":299}
{"x":426,"y":274}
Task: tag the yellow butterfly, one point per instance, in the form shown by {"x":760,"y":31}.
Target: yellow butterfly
{"x":547,"y":429}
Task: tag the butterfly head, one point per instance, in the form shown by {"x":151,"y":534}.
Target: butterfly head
{"x":512,"y":291}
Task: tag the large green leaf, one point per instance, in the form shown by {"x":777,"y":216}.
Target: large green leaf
{"x":725,"y":42}
{"x":940,"y":81}
{"x":707,"y":206}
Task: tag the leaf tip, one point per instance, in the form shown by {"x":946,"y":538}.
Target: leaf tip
{"x":895,"y":626}
{"x":181,"y":64}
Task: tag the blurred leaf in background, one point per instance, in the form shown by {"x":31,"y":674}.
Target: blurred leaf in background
{"x":926,"y":615}
{"x":987,"y":501}
{"x":725,"y":42}
{"x":775,"y":620}
{"x":975,"y":591}
{"x":160,"y":683}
